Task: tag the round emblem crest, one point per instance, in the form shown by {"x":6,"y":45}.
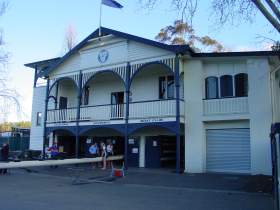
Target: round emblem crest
{"x":103,"y":56}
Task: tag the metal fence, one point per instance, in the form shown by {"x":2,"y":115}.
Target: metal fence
{"x":16,"y":143}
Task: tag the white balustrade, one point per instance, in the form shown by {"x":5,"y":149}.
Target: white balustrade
{"x":62,"y":115}
{"x":137,"y":110}
{"x":103,"y":112}
{"x":226,"y":106}
{"x":152,"y":109}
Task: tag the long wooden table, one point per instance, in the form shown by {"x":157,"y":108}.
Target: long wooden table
{"x":37,"y":163}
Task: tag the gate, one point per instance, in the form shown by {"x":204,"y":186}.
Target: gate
{"x":16,"y":143}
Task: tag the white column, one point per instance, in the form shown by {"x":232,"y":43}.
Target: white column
{"x":194,"y":129}
{"x":260,"y":109}
{"x":51,"y":139}
{"x":142,"y":151}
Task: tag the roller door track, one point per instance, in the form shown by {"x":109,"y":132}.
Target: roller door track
{"x":228,"y":151}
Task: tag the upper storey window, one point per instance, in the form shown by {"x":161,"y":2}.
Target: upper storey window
{"x":211,"y":87}
{"x":226,"y":86}
{"x":166,"y":87}
{"x":241,"y":85}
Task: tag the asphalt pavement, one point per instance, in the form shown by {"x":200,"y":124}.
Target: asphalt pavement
{"x":52,"y":189}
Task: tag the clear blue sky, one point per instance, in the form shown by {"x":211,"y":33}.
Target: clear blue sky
{"x":34,"y":30}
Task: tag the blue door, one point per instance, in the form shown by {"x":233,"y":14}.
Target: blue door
{"x":133,"y":152}
{"x":152,"y":152}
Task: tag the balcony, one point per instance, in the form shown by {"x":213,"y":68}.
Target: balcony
{"x":102,"y":112}
{"x":160,"y":109}
{"x":226,"y":106}
{"x":61,"y":115}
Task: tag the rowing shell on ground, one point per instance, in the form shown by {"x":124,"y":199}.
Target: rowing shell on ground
{"x":37,"y":163}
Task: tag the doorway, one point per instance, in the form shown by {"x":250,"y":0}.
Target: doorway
{"x":117,"y":105}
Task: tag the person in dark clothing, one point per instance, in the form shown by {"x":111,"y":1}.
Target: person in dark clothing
{"x":4,"y":156}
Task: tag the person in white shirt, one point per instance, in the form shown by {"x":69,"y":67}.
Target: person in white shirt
{"x":109,"y":150}
{"x":103,"y":154}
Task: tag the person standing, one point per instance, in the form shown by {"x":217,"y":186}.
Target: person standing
{"x":110,"y":152}
{"x":103,"y":155}
{"x":93,"y":150}
{"x":4,"y":156}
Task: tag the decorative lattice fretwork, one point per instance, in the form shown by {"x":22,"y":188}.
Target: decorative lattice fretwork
{"x":74,"y":78}
{"x":170,"y":62}
{"x":121,"y":71}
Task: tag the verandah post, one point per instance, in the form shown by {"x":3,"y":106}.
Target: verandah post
{"x":80,"y":89}
{"x":45,"y":117}
{"x":127,"y":83}
{"x":177,"y":86}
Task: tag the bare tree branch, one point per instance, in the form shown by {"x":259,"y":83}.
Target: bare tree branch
{"x":9,"y":98}
{"x":225,"y":11}
{"x":69,"y":39}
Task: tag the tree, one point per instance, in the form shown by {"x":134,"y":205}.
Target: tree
{"x":182,"y":33}
{"x":9,"y":98}
{"x":70,"y":38}
{"x":276,"y":46}
{"x":225,"y":11}
{"x":7,"y":126}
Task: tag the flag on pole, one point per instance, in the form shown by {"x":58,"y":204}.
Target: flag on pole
{"x":109,"y":3}
{"x":112,"y":3}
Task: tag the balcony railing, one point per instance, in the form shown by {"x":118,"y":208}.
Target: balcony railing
{"x":152,"y":109}
{"x":226,"y":106}
{"x":62,"y":115}
{"x":102,"y":112}
{"x":137,"y":110}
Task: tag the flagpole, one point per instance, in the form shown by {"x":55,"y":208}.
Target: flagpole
{"x":100,"y":16}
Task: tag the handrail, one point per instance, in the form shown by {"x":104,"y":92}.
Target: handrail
{"x":62,"y":109}
{"x":135,"y":102}
{"x":206,"y":99}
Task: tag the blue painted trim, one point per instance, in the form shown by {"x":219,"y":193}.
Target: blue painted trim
{"x":70,"y":129}
{"x":104,"y":71}
{"x":234,"y":54}
{"x":78,"y":114}
{"x":170,"y":126}
{"x":54,"y":98}
{"x":120,"y":128}
{"x":178,"y":130}
{"x":275,"y":128}
{"x":127,"y":91}
{"x":148,"y":64}
{"x":56,"y":94}
{"x":147,"y":101}
{"x":35,"y":77}
{"x":42,"y":62}
{"x":63,"y":78}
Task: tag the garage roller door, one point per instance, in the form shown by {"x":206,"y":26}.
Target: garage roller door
{"x":228,"y":150}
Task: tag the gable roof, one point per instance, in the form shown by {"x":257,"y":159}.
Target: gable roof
{"x":51,"y":64}
{"x":106,"y":31}
{"x":42,"y":62}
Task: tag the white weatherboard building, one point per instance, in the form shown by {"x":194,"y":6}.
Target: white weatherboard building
{"x":162,"y":106}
